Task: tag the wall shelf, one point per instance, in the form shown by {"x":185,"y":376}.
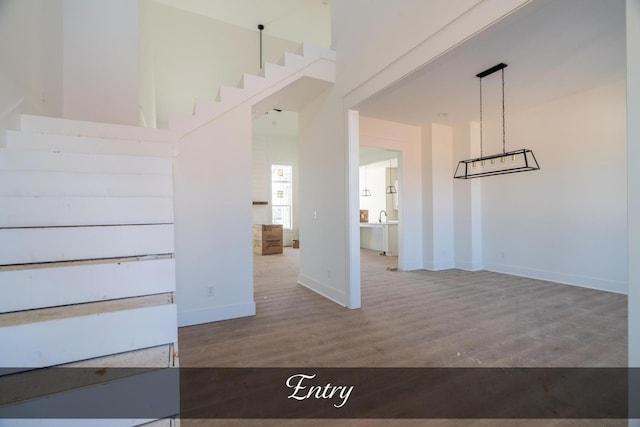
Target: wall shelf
{"x":260,"y":203}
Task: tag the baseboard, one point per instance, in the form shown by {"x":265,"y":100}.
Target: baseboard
{"x":216,"y":314}
{"x":320,"y":288}
{"x":409,"y":266}
{"x":467,"y":266}
{"x":567,"y":279}
{"x":437,"y":266}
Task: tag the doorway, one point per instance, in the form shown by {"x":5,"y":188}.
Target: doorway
{"x":379,"y":208}
{"x":275,"y":192}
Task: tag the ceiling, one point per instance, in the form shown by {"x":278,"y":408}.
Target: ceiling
{"x":552,"y":49}
{"x":277,"y":123}
{"x":295,"y":20}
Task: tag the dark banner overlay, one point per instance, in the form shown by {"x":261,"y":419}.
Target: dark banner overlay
{"x":443,"y":393}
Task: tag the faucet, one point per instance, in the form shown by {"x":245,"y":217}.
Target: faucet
{"x":380,"y":216}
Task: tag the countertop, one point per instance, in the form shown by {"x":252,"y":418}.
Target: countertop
{"x":377,"y":224}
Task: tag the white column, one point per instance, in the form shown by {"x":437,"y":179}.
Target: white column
{"x":353,"y":211}
{"x":467,"y":201}
{"x":427,"y":199}
{"x":438,"y":197}
{"x":633,"y":178}
{"x":633,"y":187}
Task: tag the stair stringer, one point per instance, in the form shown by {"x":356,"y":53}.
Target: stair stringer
{"x":319,"y":71}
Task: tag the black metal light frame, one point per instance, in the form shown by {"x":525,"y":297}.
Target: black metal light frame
{"x":522,"y":160}
{"x":472,"y":168}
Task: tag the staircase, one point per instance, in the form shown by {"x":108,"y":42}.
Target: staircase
{"x":87,"y":271}
{"x":295,"y":80}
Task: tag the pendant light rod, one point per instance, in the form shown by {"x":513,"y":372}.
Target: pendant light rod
{"x":504,"y":134}
{"x":499,"y":67}
{"x":481,"y":131}
{"x":261,"y":27}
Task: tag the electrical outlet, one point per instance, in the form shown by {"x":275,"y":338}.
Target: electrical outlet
{"x":210,"y":291}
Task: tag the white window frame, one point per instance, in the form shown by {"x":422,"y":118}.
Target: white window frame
{"x":274,"y":198}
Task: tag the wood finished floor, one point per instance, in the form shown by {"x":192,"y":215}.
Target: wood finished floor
{"x":450,"y":318}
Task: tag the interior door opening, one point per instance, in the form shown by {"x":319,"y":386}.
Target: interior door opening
{"x":380,"y":214}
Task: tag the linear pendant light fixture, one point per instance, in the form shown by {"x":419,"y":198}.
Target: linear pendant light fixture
{"x":521,"y":160}
{"x":391,"y":189}
{"x":365,"y":191}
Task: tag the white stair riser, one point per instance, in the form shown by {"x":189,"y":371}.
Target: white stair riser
{"x":230,"y":95}
{"x":55,"y":244}
{"x":17,"y":140}
{"x":83,"y":283}
{"x":207,"y":107}
{"x":60,"y":211}
{"x":310,"y":50}
{"x":253,"y":83}
{"x":291,"y":60}
{"x":61,"y":341}
{"x":41,"y":161}
{"x":59,"y":126}
{"x":274,"y":72}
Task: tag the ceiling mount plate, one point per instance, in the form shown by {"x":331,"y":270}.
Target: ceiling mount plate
{"x":491,"y":70}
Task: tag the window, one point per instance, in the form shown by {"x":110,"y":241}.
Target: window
{"x":281,"y":195}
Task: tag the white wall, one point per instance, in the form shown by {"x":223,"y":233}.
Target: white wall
{"x":404,"y":139}
{"x":212,"y":187}
{"x":146,"y":70}
{"x":85,"y":69}
{"x":31,"y":56}
{"x":566,"y":222}
{"x":100,"y":70}
{"x":195,"y":55}
{"x":324,"y":263}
